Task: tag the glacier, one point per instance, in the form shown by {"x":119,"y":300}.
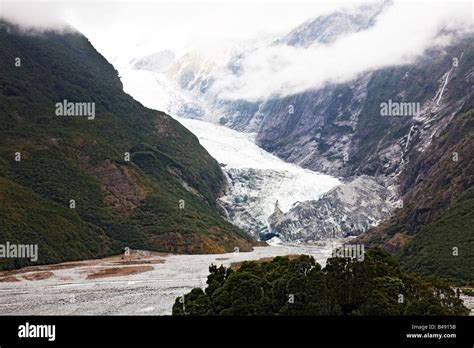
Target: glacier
{"x":257,"y":180}
{"x":266,"y":196}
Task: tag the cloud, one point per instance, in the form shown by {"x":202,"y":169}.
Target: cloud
{"x":401,"y":34}
{"x":123,"y":31}
{"x":35,"y":16}
{"x":127,"y":29}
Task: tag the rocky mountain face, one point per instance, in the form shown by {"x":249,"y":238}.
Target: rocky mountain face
{"x":340,"y":130}
{"x":290,"y":135}
{"x":432,"y":232}
{"x":85,"y":186}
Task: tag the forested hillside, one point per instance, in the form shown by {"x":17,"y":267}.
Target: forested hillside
{"x":83,"y":187}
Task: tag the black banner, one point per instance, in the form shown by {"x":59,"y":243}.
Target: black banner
{"x":21,"y":331}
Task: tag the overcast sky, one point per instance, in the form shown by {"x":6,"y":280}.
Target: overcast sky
{"x":143,"y":27}
{"x":125,"y":30}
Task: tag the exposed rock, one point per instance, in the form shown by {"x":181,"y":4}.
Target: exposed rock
{"x":9,"y":279}
{"x":177,"y":173}
{"x":121,"y":189}
{"x":162,"y":126}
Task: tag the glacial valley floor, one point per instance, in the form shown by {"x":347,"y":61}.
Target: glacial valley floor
{"x":146,"y":283}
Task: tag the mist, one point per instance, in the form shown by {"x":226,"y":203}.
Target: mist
{"x":402,"y":33}
{"x":123,"y":31}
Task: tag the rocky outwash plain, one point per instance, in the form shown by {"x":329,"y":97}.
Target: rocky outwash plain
{"x":147,"y":283}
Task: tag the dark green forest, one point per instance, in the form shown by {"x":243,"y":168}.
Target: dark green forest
{"x":300,"y":286}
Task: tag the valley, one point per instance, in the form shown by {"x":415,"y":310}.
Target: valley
{"x":266,"y":196}
{"x":398,"y":137}
{"x":150,"y":288}
{"x":287,"y":143}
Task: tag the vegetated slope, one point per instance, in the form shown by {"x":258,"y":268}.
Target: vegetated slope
{"x":433,"y":232}
{"x":118,"y":203}
{"x":284,"y":286}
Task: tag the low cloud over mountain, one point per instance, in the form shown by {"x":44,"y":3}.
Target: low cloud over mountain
{"x":401,"y":33}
